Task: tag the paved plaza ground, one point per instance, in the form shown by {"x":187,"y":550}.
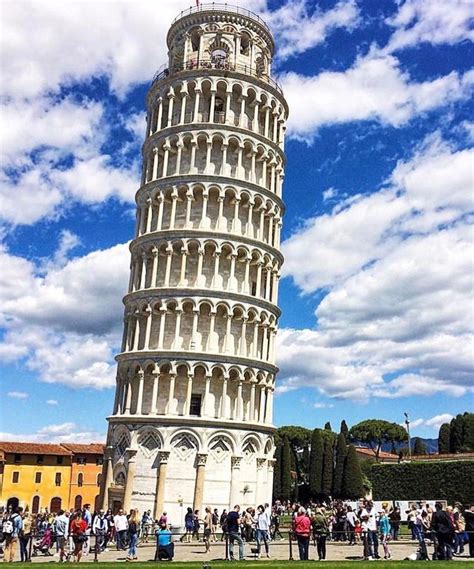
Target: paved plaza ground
{"x":194,"y":552}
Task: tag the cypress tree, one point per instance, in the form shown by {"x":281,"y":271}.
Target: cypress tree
{"x":277,"y":473}
{"x":328,"y":466}
{"x":419,"y":446}
{"x":341,"y":451}
{"x":444,"y":438}
{"x":468,"y":433}
{"x":345,"y":430}
{"x":316,"y":464}
{"x":327,"y":426}
{"x":286,"y":469}
{"x":305,"y":463}
{"x":456,"y":434}
{"x":352,"y":482}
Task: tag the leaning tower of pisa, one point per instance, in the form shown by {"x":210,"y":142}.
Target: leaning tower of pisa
{"x":192,"y":418}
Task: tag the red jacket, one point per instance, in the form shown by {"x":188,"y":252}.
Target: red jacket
{"x":302,"y":525}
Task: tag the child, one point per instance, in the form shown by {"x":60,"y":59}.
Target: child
{"x":357,"y":531}
{"x":385,"y":529}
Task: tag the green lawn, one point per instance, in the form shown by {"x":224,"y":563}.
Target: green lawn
{"x":264,"y":563}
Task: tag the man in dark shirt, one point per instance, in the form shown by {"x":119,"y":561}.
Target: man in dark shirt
{"x":233,"y":523}
{"x":442,"y":525}
{"x":469,"y":517}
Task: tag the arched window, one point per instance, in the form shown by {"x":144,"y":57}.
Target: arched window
{"x":80,"y":479}
{"x":97,"y":503}
{"x":35,"y":505}
{"x":13,"y":503}
{"x":78,"y":502}
{"x":55,"y":505}
{"x":120,"y":479}
{"x":99,"y":478}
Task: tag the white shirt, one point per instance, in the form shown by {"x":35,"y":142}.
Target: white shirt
{"x":351,"y":518}
{"x":371,"y":523}
{"x":263,"y":521}
{"x":120,"y":522}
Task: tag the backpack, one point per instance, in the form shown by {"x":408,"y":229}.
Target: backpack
{"x":8,"y":526}
{"x":215,"y":519}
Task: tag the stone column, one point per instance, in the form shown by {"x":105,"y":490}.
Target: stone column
{"x":235,"y":497}
{"x":243,"y":338}
{"x":197,"y":91}
{"x":269,"y":410}
{"x":169,"y":254}
{"x":177,"y":328}
{"x":223,"y":407}
{"x":200,"y":476}
{"x":143,"y":273}
{"x":159,"y":221}
{"x":182,"y":274}
{"x":249,"y":228}
{"x":189,"y":392}
{"x":154,"y":269}
{"x":131,"y":466}
{"x":161,"y":334}
{"x":203,"y":223}
{"x":184,"y":100}
{"x":155,"y":163}
{"x":160,"y":114}
{"x":205,"y":402}
{"x":179,"y":146}
{"x":149,"y":215}
{"x":252,"y":400}
{"x":137,"y":332}
{"x":189,"y":201}
{"x":261,"y":480}
{"x":149,"y":322}
{"x":141,"y":383}
{"x":160,"y":483}
{"x":170,"y":405}
{"x":240,"y":402}
{"x":261,"y":414}
{"x":156,"y":384}
{"x":108,"y":476}
{"x":128,"y":395}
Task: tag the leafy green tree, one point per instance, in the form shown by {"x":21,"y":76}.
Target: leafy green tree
{"x":316,"y":464}
{"x":345,"y":430}
{"x":456,"y":434}
{"x":328,"y":467}
{"x":286,"y":469}
{"x":305,"y":463}
{"x":352,"y":481}
{"x":468,"y":433}
{"x":419,"y":446}
{"x":341,"y":451}
{"x":327,"y":426}
{"x":277,"y":473}
{"x":444,"y":437}
{"x":376,"y":432}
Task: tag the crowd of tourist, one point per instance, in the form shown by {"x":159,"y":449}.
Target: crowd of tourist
{"x":448,"y":528}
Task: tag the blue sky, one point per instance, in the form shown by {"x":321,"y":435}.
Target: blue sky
{"x":377,"y":288}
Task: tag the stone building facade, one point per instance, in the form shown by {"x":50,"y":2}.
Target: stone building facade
{"x":192,"y":418}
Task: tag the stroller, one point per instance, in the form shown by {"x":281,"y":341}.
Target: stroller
{"x":44,"y":544}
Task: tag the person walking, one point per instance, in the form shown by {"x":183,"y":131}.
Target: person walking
{"x":321,"y":531}
{"x":263,"y":523}
{"x":189,"y":525}
{"x":469,"y":517}
{"x":133,"y":527}
{"x":233,"y":526}
{"x":25,"y":536}
{"x":62,"y":533}
{"x":302,"y":530}
{"x":369,"y":515}
{"x":121,"y":527}
{"x":11,"y":526}
{"x":223,"y":524}
{"x":385,"y":531}
{"x":99,"y":529}
{"x":207,"y":528}
{"x":351,"y":520}
{"x":395,"y":519}
{"x":442,"y":525}
{"x":78,"y":532}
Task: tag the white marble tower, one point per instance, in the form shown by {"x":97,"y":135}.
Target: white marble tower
{"x":192,"y":419}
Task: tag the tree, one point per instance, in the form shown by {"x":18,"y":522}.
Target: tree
{"x":468,"y":434}
{"x":327,"y":426}
{"x":352,"y":480}
{"x":305,"y":463}
{"x":444,"y":438}
{"x":328,"y":467}
{"x":419,"y":446}
{"x":316,"y":464}
{"x":277,"y":473}
{"x":341,"y":451}
{"x":344,"y":429}
{"x":456,"y":434}
{"x":376,"y":432}
{"x":286,"y":469}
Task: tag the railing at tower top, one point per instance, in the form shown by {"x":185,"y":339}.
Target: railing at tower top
{"x":222,"y":7}
{"x":218,"y":64}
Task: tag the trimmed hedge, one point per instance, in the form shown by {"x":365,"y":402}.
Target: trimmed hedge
{"x":453,"y":480}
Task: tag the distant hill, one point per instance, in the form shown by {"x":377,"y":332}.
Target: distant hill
{"x":431,"y":445}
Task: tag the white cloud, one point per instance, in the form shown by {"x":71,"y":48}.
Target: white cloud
{"x":60,"y":433}
{"x":438,"y":420}
{"x":374,"y":88}
{"x":66,"y":321}
{"x":17,"y":394}
{"x":430,"y":21}
{"x":52,"y":402}
{"x":298,"y":30}
{"x":398,"y":271}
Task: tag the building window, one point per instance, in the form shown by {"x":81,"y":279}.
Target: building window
{"x":59,"y":459}
{"x":78,"y":502}
{"x":39,"y":459}
{"x":37,"y":477}
{"x":195,"y":407}
{"x":80,"y":479}
{"x":17,"y":458}
{"x":99,"y":461}
{"x":55,"y":505}
{"x":99,"y":478}
{"x":15,"y":477}
{"x":35,"y":505}
{"x":81,"y":460}
{"x":57,"y":479}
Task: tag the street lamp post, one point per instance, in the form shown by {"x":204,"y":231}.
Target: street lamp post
{"x":407,"y":423}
